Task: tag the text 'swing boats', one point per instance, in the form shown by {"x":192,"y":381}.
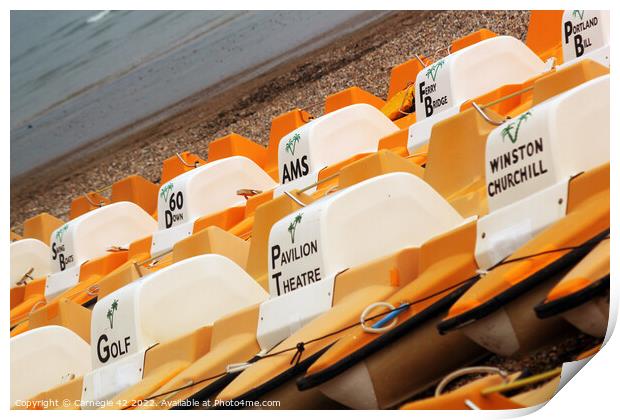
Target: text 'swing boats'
{"x":81,"y":252}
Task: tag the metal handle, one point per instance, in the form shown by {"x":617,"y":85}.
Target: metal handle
{"x":92,"y":203}
{"x":485,"y":116}
{"x":195,"y":165}
{"x":295,"y":199}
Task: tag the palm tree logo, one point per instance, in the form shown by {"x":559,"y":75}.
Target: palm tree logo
{"x":111,"y":311}
{"x":290,"y":145}
{"x":508,"y":129}
{"x":578,"y":13}
{"x":432,"y":70}
{"x":293,"y":226}
{"x":60,"y":232}
{"x":165,"y":191}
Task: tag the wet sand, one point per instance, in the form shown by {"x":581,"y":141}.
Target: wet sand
{"x":362,"y":59}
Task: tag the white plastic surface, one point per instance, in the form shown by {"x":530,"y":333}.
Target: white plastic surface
{"x":502,"y":232}
{"x":584,"y":34}
{"x":207,"y":189}
{"x":308,"y":248}
{"x":89,"y":236}
{"x":281,"y":316}
{"x":444,"y":86}
{"x":330,"y":139}
{"x":160,"y":307}
{"x":365,"y":221}
{"x":60,"y":281}
{"x":565,"y":135}
{"x":171,"y":302}
{"x":44,"y":358}
{"x":27,"y":254}
{"x":101,"y":385}
{"x":601,"y":56}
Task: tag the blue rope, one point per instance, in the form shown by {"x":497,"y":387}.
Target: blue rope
{"x":389,"y":317}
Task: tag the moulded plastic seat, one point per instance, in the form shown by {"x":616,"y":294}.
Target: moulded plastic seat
{"x":89,"y":236}
{"x":266,"y":157}
{"x":165,"y":305}
{"x":328,"y":140}
{"x":537,"y":203}
{"x":456,"y":162}
{"x":195,"y":292}
{"x":540,"y":38}
{"x":365,"y":221}
{"x":401,"y":95}
{"x":272,"y":211}
{"x":207,"y":189}
{"x":560,"y":129}
{"x":26,"y":255}
{"x":530,"y":158}
{"x":46,"y":357}
{"x":549,"y":143}
{"x":445,"y":85}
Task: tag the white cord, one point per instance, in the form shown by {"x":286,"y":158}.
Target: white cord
{"x":369,"y":308}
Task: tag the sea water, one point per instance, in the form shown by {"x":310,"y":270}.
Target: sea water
{"x":80,"y":76}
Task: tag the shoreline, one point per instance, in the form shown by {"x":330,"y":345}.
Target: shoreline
{"x":363,"y":58}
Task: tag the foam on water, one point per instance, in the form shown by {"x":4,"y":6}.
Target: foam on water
{"x":98,"y":16}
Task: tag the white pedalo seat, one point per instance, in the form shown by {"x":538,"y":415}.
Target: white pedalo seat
{"x":327,"y":140}
{"x":160,"y":307}
{"x":29,"y":257}
{"x":530,"y":160}
{"x":366,"y":221}
{"x":89,"y":236}
{"x":207,"y":189}
{"x":44,"y":358}
{"x":445,"y":85}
